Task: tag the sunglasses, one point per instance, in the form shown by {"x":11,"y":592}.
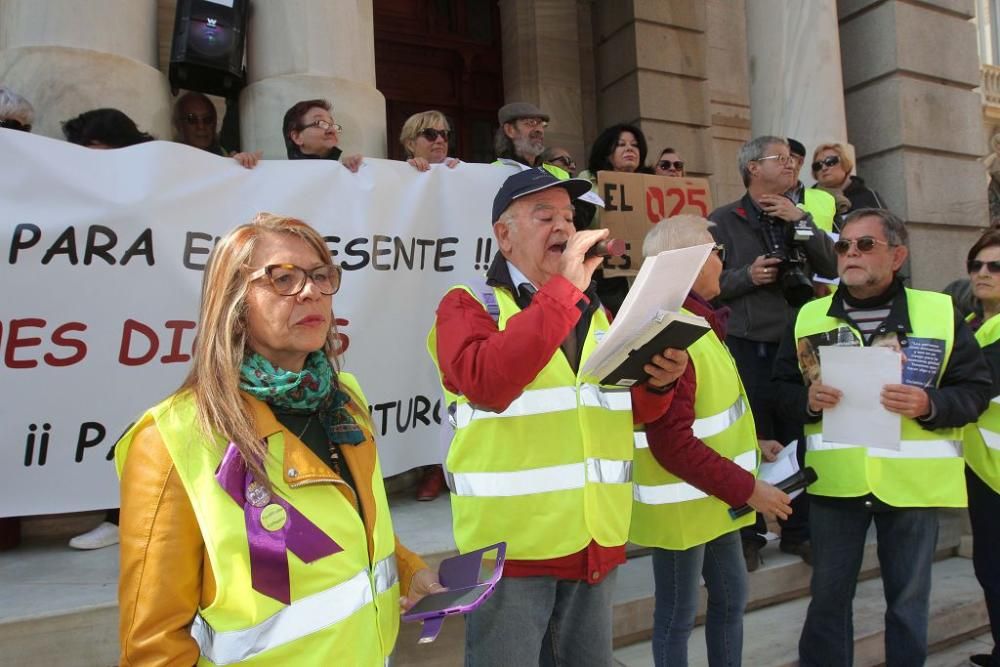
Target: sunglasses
{"x":12,"y":124}
{"x":865,"y":244}
{"x":667,"y":164}
{"x":829,"y":161}
{"x":430,"y":134}
{"x":720,"y":250}
{"x":782,"y":159}
{"x":976,"y":265}
{"x":564,"y":160}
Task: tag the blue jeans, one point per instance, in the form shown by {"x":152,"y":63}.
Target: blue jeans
{"x":542,"y":621}
{"x":677,"y":575}
{"x":906,"y":541}
{"x":984,"y":508}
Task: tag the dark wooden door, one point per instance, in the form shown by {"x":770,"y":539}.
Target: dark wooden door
{"x":444,"y":55}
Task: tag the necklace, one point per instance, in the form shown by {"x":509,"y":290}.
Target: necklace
{"x":306,"y":427}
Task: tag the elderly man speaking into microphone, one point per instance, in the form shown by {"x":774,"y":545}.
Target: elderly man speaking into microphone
{"x":541,"y":455}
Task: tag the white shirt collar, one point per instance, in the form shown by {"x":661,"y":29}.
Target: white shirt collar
{"x":517,"y":277}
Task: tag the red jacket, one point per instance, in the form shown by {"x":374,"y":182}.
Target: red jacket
{"x":672,"y":442}
{"x":491,"y":368}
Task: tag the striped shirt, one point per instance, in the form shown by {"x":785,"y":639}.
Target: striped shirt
{"x":868,"y":320}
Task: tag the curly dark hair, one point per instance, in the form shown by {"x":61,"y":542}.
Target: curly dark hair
{"x":110,"y":127}
{"x":604,"y":146}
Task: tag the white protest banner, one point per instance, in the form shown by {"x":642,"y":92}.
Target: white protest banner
{"x":102,"y":257}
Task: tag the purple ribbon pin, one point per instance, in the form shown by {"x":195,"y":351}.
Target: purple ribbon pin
{"x":269,"y":548}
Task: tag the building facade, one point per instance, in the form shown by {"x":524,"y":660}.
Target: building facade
{"x":913,"y":87}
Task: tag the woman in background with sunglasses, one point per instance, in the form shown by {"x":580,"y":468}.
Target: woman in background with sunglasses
{"x":425,"y":139}
{"x":267,"y":448}
{"x":669,"y":164}
{"x":982,"y":440}
{"x":831,"y":168}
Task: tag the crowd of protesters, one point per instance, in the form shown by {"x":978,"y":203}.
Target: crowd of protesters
{"x":795,"y":267}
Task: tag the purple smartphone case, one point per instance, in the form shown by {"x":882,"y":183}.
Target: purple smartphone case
{"x":462,"y":572}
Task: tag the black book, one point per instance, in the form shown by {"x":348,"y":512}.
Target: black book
{"x":676,"y":330}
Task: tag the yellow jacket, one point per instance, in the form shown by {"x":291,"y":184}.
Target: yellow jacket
{"x":166,"y":574}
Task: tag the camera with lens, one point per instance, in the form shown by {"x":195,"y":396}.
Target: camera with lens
{"x":785,"y":241}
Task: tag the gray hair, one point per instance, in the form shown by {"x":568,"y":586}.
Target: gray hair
{"x":893,"y":228}
{"x":754,"y":150}
{"x":15,"y":107}
{"x":680,"y":231}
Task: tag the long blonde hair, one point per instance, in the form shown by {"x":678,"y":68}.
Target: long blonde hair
{"x":222,"y":335}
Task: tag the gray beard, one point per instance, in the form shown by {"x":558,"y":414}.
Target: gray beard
{"x":524,"y":147}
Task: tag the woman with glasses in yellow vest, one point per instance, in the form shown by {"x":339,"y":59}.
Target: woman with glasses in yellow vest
{"x":254,"y":523}
{"x":691,"y":465}
{"x":982,"y":439}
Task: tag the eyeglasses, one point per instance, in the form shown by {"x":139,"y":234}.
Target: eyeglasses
{"x":782,"y":159}
{"x":289,"y":280}
{"x":532,"y":123}
{"x":193,"y":119}
{"x":720,"y":250}
{"x":324,"y":125}
{"x":666,"y":165}
{"x":564,"y":160}
{"x":828,"y":161}
{"x":976,"y":265}
{"x":431,"y":134}
{"x":865,"y":244}
{"x":12,"y":124}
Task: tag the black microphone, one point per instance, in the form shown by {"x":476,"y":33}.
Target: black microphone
{"x":799,"y":480}
{"x":607,"y":248}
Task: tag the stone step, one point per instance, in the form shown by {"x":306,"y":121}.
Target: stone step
{"x":771,"y":633}
{"x":781,"y":577}
{"x":48,"y":590}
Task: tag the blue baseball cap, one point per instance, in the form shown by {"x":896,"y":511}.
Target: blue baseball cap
{"x":530,"y":181}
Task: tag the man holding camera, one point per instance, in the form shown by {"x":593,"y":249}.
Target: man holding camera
{"x":773,"y":248}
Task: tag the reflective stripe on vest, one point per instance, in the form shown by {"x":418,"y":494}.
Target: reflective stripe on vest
{"x":908,"y":449}
{"x":705,"y":427}
{"x":540,"y":480}
{"x":680,"y":492}
{"x":544,"y":401}
{"x":991,"y":439}
{"x":299,"y":619}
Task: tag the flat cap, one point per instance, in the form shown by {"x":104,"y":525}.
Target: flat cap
{"x":510,"y":112}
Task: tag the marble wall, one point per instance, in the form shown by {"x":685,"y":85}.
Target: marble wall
{"x":916,"y":122}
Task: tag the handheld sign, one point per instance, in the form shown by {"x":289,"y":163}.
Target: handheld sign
{"x":633,"y":202}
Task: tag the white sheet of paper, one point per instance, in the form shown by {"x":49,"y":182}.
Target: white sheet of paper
{"x":783,"y":467}
{"x":860,"y":373}
{"x":662,"y":284}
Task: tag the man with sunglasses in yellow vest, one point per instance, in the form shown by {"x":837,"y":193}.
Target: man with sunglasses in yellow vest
{"x":945,"y":385}
{"x":541,"y":455}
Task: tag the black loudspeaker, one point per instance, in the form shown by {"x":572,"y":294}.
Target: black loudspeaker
{"x":207,"y":52}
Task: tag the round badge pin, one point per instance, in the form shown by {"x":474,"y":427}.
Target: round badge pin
{"x":257,"y":494}
{"x":273,"y":517}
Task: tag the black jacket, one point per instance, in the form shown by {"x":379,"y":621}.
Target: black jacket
{"x":759,"y":313}
{"x":962,"y":395}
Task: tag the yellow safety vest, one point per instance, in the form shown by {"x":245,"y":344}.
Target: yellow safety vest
{"x":982,"y":439}
{"x":821,"y":205}
{"x":552,"y":471}
{"x":670,"y":513}
{"x":344,"y":608}
{"x":927,"y":470}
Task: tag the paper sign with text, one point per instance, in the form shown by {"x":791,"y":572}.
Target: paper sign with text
{"x":633,"y":202}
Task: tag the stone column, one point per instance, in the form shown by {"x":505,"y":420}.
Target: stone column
{"x":652,"y":69}
{"x":796,"y":85}
{"x":729,"y":91}
{"x":909,"y":73}
{"x":66,"y":57}
{"x":541,"y":65}
{"x":308,"y":49}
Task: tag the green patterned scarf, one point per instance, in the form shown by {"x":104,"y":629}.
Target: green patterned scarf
{"x":313,"y":390}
